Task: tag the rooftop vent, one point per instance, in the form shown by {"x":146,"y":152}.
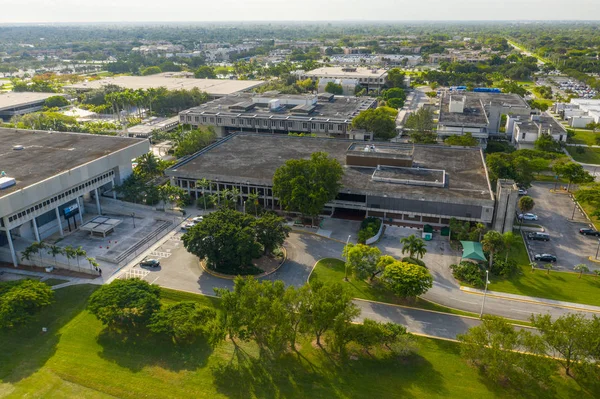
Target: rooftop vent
{"x":6,"y":182}
{"x":18,"y":147}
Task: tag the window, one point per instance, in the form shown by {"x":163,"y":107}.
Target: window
{"x":305,"y":125}
{"x":204,"y":119}
{"x":219,"y":120}
{"x":331,"y":126}
{"x":314,"y":126}
{"x":196,"y":118}
{"x":339,"y":127}
{"x":523,"y":136}
{"x":189,"y":118}
{"x":322,"y":126}
{"x":212,"y":120}
{"x":290,"y":124}
{"x":241,"y":122}
{"x":281,"y":124}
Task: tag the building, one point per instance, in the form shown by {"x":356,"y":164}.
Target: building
{"x":44,"y":173}
{"x":401,"y":183}
{"x":324,"y":114}
{"x":348,"y":85}
{"x":579,"y":112}
{"x":158,"y":125}
{"x":526,"y":132}
{"x":373,"y":79}
{"x":507,"y":197}
{"x":214,"y":87}
{"x":478,"y":113}
{"x":21,"y":103}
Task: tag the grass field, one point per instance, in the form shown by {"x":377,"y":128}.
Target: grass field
{"x":589,"y":155}
{"x":78,"y":358}
{"x":55,"y":281}
{"x":583,"y":136}
{"x":561,"y":286}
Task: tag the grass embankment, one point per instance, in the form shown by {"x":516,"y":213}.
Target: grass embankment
{"x":589,"y":155}
{"x":78,"y":358}
{"x":584,"y":136}
{"x":560,"y":286}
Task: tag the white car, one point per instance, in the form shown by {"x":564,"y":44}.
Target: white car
{"x":528,"y":216}
{"x":522,"y":191}
{"x":197,"y":219}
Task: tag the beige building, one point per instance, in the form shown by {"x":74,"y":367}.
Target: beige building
{"x":373,"y":79}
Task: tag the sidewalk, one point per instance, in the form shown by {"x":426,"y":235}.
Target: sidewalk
{"x":530,"y":299}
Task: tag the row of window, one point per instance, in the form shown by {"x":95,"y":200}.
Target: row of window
{"x":60,"y":196}
{"x":264,"y":122}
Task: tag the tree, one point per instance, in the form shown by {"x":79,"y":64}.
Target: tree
{"x":182,"y":322}
{"x":414,"y":246}
{"x":21,"y":299}
{"x":591,"y":195}
{"x":573,"y":172}
{"x":203,"y":184}
{"x":581,"y":268}
{"x":465,"y":140}
{"x":225,"y":239}
{"x":538,"y":105}
{"x":153,"y":70}
{"x":492,"y":242}
{"x":271,"y":231}
{"x":69,"y":253}
{"x":171,"y":194}
{"x":148,"y":165}
{"x":510,"y":240}
{"x":395,"y":78}
{"x":79,"y":252}
{"x":568,"y":336}
{"x":334,"y":88}
{"x":195,"y":140}
{"x":55,"y":250}
{"x":526,"y":204}
{"x":407,"y":280}
{"x":205,"y":72}
{"x":545,"y":142}
{"x":56,"y":102}
{"x":420,"y":126}
{"x":363,"y":260}
{"x":376,"y":121}
{"x":125,"y":304}
{"x":395,"y":97}
{"x":494,"y":348}
{"x":306,"y":185}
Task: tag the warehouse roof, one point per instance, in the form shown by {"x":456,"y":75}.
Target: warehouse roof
{"x":45,"y":154}
{"x":17,"y":99}
{"x":253,"y":158}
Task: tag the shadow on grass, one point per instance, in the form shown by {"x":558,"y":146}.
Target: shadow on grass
{"x":135,"y":351}
{"x":26,"y":349}
{"x":323,"y":375}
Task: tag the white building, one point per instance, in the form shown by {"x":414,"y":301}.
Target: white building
{"x":373,"y":79}
{"x":579,"y":112}
{"x":44,"y":173}
{"x":526,"y":131}
{"x":348,"y":85}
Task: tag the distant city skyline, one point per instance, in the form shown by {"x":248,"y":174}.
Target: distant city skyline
{"x":40,"y":11}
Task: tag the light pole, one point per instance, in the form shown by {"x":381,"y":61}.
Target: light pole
{"x":244,"y":207}
{"x":133,"y":219}
{"x":598,"y":249}
{"x":574,"y":208}
{"x":346,"y":265}
{"x":487,"y":281}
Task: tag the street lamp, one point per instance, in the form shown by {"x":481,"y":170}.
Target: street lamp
{"x":133,"y":219}
{"x":598,"y":249}
{"x":346,"y":265}
{"x":487,"y":281}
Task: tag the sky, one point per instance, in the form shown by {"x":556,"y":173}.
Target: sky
{"x":24,"y":11}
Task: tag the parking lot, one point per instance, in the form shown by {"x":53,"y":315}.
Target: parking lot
{"x":554,"y":212}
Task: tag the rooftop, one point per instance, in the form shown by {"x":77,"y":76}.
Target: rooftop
{"x":215,"y":87}
{"x":546,"y":122}
{"x":475,"y":112}
{"x":308,"y":106}
{"x":347,"y":72}
{"x":253,"y":158}
{"x":17,"y":99}
{"x":47,"y":154}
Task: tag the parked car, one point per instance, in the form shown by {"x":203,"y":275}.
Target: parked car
{"x":188,"y":225}
{"x":545,"y":258}
{"x":589,"y":232}
{"x":522,"y":191}
{"x":150,"y":263}
{"x":197,"y":219}
{"x":528,"y":216}
{"x":539,"y":236}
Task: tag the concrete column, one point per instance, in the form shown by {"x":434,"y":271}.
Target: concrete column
{"x":35,"y":230}
{"x":113,"y":189}
{"x":97,"y":194}
{"x":81,"y":210}
{"x":58,"y":221}
{"x":13,"y":254}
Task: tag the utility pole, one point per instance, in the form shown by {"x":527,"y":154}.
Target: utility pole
{"x":487,"y":281}
{"x":346,"y":265}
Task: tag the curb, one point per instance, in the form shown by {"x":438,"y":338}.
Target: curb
{"x":318,"y":235}
{"x":531,"y":301}
{"x":593,"y":259}
{"x":230,"y":277}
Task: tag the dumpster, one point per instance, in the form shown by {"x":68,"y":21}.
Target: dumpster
{"x":427,"y":236}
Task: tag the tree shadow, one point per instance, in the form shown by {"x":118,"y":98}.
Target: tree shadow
{"x":26,"y":349}
{"x":137,"y":350}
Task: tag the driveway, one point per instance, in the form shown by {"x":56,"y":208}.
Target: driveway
{"x":554,"y":212}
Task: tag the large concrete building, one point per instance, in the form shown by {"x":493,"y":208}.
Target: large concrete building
{"x":579,"y":112}
{"x":477,"y":113}
{"x":403,"y":184}
{"x":43,"y":174}
{"x":526,"y":131}
{"x":22,"y":103}
{"x":373,"y":79}
{"x":324,"y":115}
{"x":214,"y":87}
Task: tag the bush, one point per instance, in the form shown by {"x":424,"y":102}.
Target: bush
{"x":182,"y":322}
{"x":368,"y":228}
{"x":414,"y":261}
{"x":20,"y":300}
{"x":469,"y":272}
{"x":500,"y":267}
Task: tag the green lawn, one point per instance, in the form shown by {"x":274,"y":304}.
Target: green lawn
{"x":79,"y":358}
{"x":55,"y":281}
{"x":561,"y":286}
{"x":583,"y":136}
{"x":590,"y":155}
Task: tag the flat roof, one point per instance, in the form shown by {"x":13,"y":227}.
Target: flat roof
{"x":17,"y":99}
{"x":216,"y":87}
{"x":360,"y":72}
{"x":545,"y":121}
{"x":473,"y":114}
{"x":499,"y":99}
{"x":253,"y":158}
{"x":47,"y":154}
{"x":340,"y":108}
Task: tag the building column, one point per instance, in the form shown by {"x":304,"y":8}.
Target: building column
{"x":113,"y":188}
{"x":60,"y":229}
{"x":81,"y":210}
{"x":97,"y":195}
{"x":13,"y":254}
{"x":35,"y":230}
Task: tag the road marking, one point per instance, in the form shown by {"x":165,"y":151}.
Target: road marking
{"x":153,"y":281}
{"x":160,"y":254}
{"x":524,"y":311}
{"x":460,"y":300}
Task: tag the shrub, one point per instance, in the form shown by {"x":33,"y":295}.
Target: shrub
{"x":469,"y":272}
{"x":414,"y":261}
{"x":504,"y":268}
{"x":368,"y":228}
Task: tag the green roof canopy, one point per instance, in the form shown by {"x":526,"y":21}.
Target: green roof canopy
{"x":473,"y":250}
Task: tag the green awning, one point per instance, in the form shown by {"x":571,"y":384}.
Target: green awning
{"x":473,"y":250}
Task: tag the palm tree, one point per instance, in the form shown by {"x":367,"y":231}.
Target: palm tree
{"x":27,"y":253}
{"x":253,"y":198}
{"x":526,"y":204}
{"x":510,"y":240}
{"x":548,"y":267}
{"x":413,"y":245}
{"x":581,"y":268}
{"x":79,"y":252}
{"x":492,"y":242}
{"x":533,"y":266}
{"x":38,"y":247}
{"x":55,"y":250}
{"x":597,"y":272}
{"x":69,"y":252}
{"x":203,"y":184}
{"x":92,"y":262}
